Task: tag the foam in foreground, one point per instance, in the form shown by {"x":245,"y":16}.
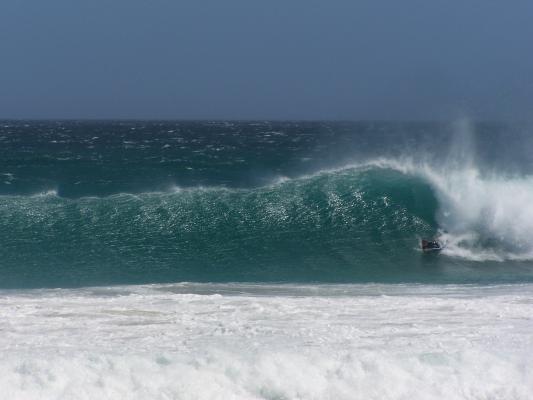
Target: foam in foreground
{"x":229,"y":341}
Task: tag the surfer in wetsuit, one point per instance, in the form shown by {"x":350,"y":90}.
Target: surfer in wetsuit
{"x":431,"y":245}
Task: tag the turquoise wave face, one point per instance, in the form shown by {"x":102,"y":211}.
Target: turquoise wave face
{"x":142,"y":202}
{"x":353,"y":225}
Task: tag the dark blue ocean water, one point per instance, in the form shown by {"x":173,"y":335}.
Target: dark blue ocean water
{"x":100,"y":203}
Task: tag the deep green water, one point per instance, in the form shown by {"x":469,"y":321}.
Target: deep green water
{"x":100,"y":203}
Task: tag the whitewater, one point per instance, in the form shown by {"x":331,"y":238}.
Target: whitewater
{"x":243,"y":341}
{"x":265,"y":260}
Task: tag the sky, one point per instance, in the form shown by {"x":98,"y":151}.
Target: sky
{"x":275,"y":59}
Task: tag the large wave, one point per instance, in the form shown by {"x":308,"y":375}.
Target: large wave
{"x":360,"y":223}
{"x":328,"y":225}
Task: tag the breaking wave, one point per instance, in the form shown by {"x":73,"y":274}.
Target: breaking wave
{"x":358,"y":223}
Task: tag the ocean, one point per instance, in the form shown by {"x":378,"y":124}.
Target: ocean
{"x":265,"y":260}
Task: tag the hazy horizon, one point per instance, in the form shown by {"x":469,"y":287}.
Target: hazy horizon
{"x":243,"y":60}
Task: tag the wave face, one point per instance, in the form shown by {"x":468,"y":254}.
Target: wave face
{"x":112,"y":203}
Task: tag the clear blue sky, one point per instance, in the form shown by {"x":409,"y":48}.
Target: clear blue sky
{"x":277,"y":59}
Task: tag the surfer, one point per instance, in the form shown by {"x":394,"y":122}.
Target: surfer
{"x":431,"y":245}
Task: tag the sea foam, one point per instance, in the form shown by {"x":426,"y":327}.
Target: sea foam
{"x":230,"y":341}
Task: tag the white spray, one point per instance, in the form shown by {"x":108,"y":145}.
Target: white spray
{"x":484,"y":215}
